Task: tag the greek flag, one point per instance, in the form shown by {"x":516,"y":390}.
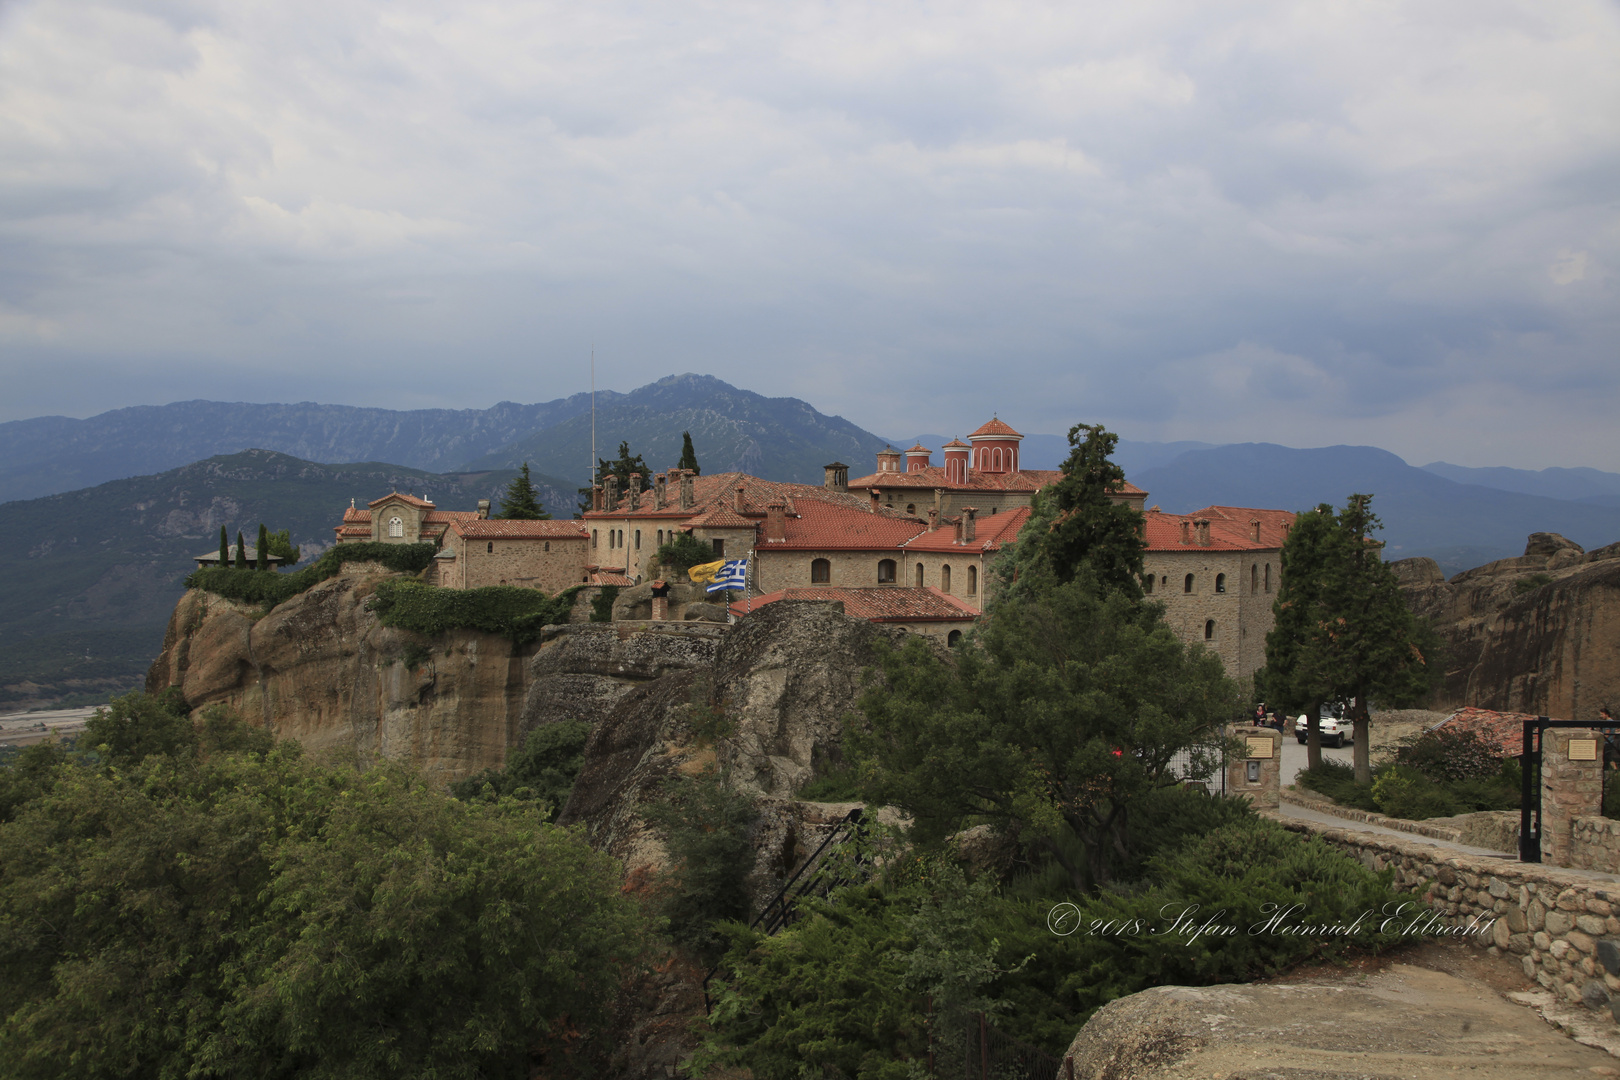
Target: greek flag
{"x":733,"y":575}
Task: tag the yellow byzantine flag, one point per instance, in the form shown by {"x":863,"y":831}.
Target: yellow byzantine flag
{"x":706,"y":572}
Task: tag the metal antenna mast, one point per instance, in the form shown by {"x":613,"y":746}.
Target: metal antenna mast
{"x":593,"y":416}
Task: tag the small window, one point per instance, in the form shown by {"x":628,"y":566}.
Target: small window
{"x":396,"y":527}
{"x":548,"y":545}
{"x":919,"y":575}
{"x":1254,"y":578}
{"x":490,"y":547}
{"x":1209,"y":629}
{"x":953,"y":638}
{"x":719,"y":546}
{"x":1268,"y":577}
{"x":1187,"y":583}
{"x":638,"y":539}
{"x":1147,"y":584}
{"x":820,"y":572}
{"x":911,"y":508}
{"x":593,"y":538}
{"x":660,"y":537}
{"x":973,"y":581}
{"x":945,"y":578}
{"x":1220,"y":582}
{"x":885,"y":571}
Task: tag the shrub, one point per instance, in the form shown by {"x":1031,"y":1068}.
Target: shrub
{"x":1448,"y":753}
{"x":705,"y":825}
{"x":271,"y":589}
{"x":602,"y":604}
{"x":519,"y":614}
{"x":1337,"y":781}
{"x":1531,"y":583}
{"x":541,"y":770}
{"x":682,"y":553}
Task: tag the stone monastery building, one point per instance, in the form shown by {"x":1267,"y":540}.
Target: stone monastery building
{"x":910,"y":543}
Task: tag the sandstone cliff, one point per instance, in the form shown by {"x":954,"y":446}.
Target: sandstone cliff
{"x":321,"y":669}
{"x":1538,"y":634}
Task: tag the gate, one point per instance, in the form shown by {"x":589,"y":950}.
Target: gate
{"x":1530,"y":781}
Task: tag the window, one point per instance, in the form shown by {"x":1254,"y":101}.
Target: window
{"x":719,"y":546}
{"x":396,"y":527}
{"x":820,"y":572}
{"x":660,"y":537}
{"x":885,"y":571}
{"x":911,"y":508}
{"x":1268,"y":577}
{"x":919,"y":575}
{"x":1220,"y":582}
{"x":945,"y":577}
{"x":1209,"y":629}
{"x":1147,"y":584}
{"x":953,"y":637}
{"x":593,"y":538}
{"x":973,"y":581}
{"x":995,"y":460}
{"x":638,"y":539}
{"x":1187,"y":584}
{"x":1254,"y":578}
{"x":490,"y":547}
{"x":548,"y":545}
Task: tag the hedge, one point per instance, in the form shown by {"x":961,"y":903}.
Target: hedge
{"x":272,"y":589}
{"x":495,"y":609}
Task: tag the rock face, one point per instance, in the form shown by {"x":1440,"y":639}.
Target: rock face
{"x":1405,"y":1022}
{"x":1536,"y":634}
{"x":321,"y":669}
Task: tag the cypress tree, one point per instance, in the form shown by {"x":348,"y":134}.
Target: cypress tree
{"x":241,"y":551}
{"x":521,"y":502}
{"x":224,"y":548}
{"x":688,"y":455}
{"x":263,"y":553}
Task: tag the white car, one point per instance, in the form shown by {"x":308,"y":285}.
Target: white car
{"x":1335,"y":732}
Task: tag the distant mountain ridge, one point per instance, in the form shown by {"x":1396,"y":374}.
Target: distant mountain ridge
{"x":1577,"y":485}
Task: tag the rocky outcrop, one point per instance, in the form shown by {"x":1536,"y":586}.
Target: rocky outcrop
{"x":1405,"y":1022}
{"x":1539,"y":633}
{"x":321,"y":669}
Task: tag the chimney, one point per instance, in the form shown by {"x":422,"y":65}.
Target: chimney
{"x":933,"y":519}
{"x":776,"y":521}
{"x":686,"y":490}
{"x":660,"y":600}
{"x":1254,"y":529}
{"x":610,"y":496}
{"x":1201,"y":530}
{"x":874,"y":505}
{"x":483,"y":509}
{"x":658,"y":492}
{"x":635,"y":491}
{"x":596,"y":497}
{"x":1186,"y":531}
{"x":737,"y":499}
{"x":836,"y":476}
{"x":969,"y":523}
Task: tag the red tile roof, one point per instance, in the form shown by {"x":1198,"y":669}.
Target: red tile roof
{"x":957,"y":442}
{"x":994,"y":427}
{"x":935,"y":477}
{"x":1504,"y":729}
{"x":609,"y":577}
{"x":711,"y":491}
{"x":989,"y":533}
{"x":1229,"y":529}
{"x":722,"y":517}
{"x":445,"y":517}
{"x":409,"y":499}
{"x":498,"y":529}
{"x":821,"y":525}
{"x":919,"y":448}
{"x":884,"y":604}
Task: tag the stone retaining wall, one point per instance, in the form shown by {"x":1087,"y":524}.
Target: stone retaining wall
{"x":1595,"y":844}
{"x":1564,"y":925}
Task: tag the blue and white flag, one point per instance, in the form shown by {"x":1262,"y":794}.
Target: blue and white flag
{"x":733,"y":575}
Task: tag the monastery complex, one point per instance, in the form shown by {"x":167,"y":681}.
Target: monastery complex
{"x":910,"y":543}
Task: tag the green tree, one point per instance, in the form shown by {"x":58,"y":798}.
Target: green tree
{"x":705,"y":824}
{"x":521,"y":502}
{"x":281,"y":545}
{"x":541,"y":770}
{"x":1064,"y":719}
{"x":261,"y":556}
{"x":1344,"y":629}
{"x":241,"y":551}
{"x":224,"y":548}
{"x":688,"y":455}
{"x":137,"y":725}
{"x":683,"y":552}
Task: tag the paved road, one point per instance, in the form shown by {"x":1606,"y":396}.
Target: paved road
{"x":22,"y":729}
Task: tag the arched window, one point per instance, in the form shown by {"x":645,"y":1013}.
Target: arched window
{"x":919,"y":575}
{"x":885,"y":571}
{"x":638,"y":539}
{"x":1268,"y":577}
{"x":973,"y":581}
{"x":1187,"y":583}
{"x":1147,"y":584}
{"x":1254,"y":578}
{"x":1220,"y":582}
{"x":1209,"y":629}
{"x":396,"y":527}
{"x":490,"y":547}
{"x":995,"y":460}
{"x":548,"y":545}
{"x":945,"y":578}
{"x":820,"y":572}
{"x":660,"y":537}
{"x":953,"y":637}
{"x":911,"y":508}
{"x":594,"y":538}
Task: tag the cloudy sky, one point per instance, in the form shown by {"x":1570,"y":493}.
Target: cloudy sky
{"x":1300,"y":222}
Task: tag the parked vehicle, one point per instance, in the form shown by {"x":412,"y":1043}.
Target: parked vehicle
{"x":1336,"y":728}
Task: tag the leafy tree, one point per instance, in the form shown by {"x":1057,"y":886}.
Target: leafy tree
{"x":688,"y":455}
{"x":281,"y":545}
{"x":1344,"y":630}
{"x":241,"y":551}
{"x":541,"y":770}
{"x":262,"y":555}
{"x":131,"y":728}
{"x":224,"y":548}
{"x":705,"y":825}
{"x":1064,"y":719}
{"x":622,"y":466}
{"x":683,"y":552}
{"x":521,"y":502}
{"x":1075,"y":522}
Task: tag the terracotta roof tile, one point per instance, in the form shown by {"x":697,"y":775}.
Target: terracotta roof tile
{"x":993,"y":427}
{"x":883,"y":604}
{"x":497,"y":529}
{"x":919,"y":449}
{"x":444,"y":517}
{"x":935,"y":477}
{"x":820,"y":525}
{"x":411,"y":500}
{"x":609,"y":577}
{"x":722,"y":517}
{"x":1505,"y":729}
{"x":1229,"y":529}
{"x":990,"y":532}
{"x":956,"y":442}
{"x":709,"y":492}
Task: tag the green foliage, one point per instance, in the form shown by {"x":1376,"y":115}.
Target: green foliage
{"x":223,"y":731}
{"x":1067,"y":715}
{"x":261,"y":555}
{"x":138,"y":725}
{"x":521,"y":502}
{"x":280,"y":544}
{"x":1450,"y":753}
{"x":241,"y":552}
{"x":1085,"y":525}
{"x":519,"y":614}
{"x":688,"y":455}
{"x":261,"y":915}
{"x":622,"y":466}
{"x":28,"y":775}
{"x":841,"y":784}
{"x":1403,"y":791}
{"x":273,"y":589}
{"x":542,"y":770}
{"x":414,"y":655}
{"x":1337,"y":781}
{"x":1532,"y":583}
{"x":705,"y":825}
{"x":224,"y":548}
{"x":683,"y":552}
{"x":602,"y":603}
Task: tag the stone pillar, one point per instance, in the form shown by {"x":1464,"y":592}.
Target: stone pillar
{"x":1569,"y":788}
{"x":1256,"y":773}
